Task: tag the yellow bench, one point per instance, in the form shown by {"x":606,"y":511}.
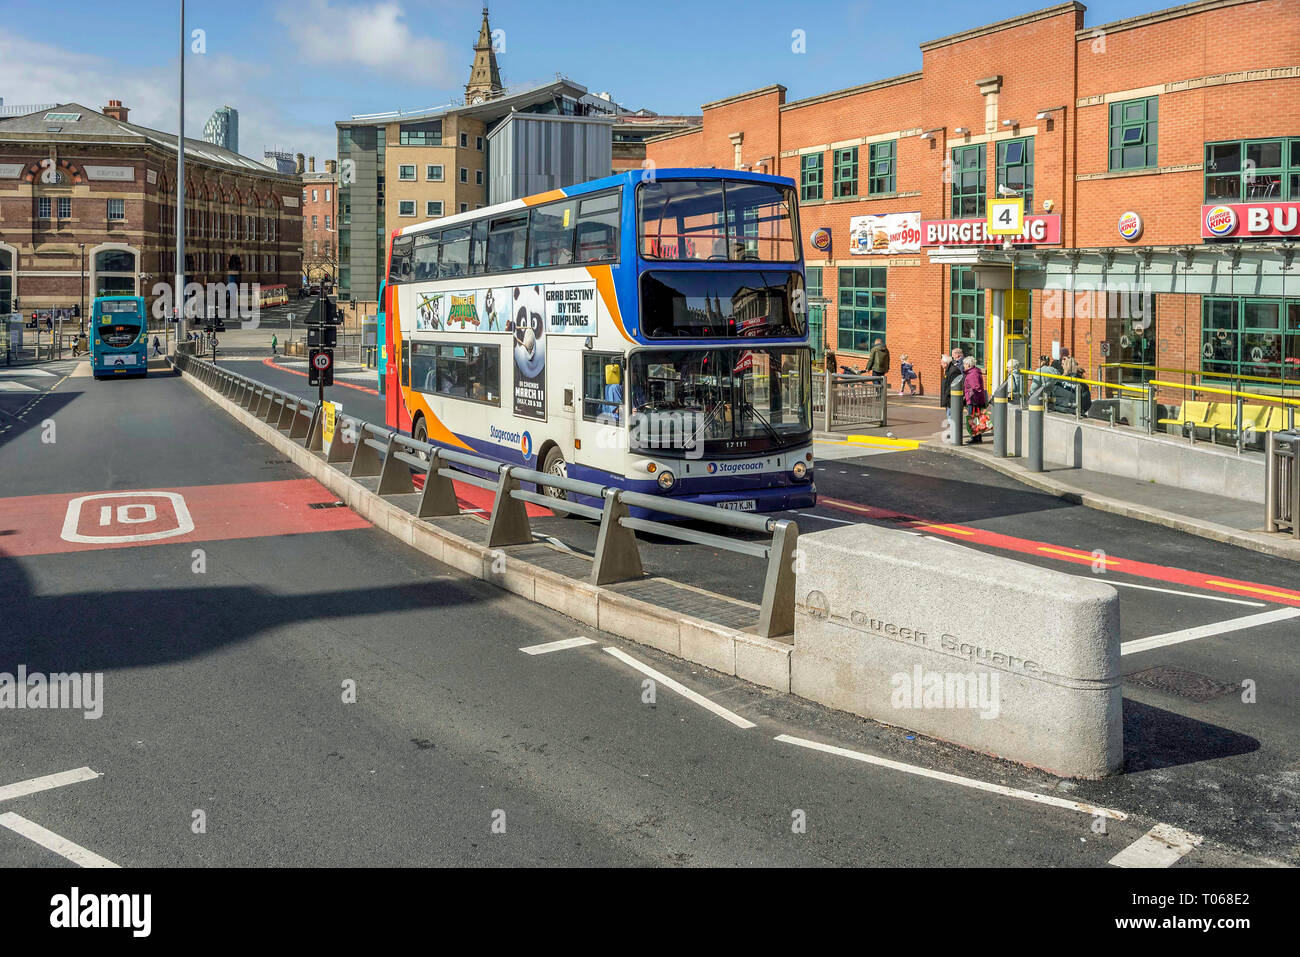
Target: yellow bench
{"x":1189,"y":413}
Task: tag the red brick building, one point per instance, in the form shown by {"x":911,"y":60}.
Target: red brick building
{"x":88,"y":206}
{"x":320,"y":217}
{"x":1160,"y":121}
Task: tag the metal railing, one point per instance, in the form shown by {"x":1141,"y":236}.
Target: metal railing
{"x":1282,"y":482}
{"x":844,"y":401}
{"x":391,"y":456}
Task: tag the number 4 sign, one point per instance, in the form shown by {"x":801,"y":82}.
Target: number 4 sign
{"x":1006,"y":216}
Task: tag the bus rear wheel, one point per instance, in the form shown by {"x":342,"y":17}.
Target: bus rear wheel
{"x":554,"y":464}
{"x":421,"y":434}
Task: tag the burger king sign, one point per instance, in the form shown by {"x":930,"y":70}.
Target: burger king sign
{"x":1220,"y":220}
{"x":1130,"y":226}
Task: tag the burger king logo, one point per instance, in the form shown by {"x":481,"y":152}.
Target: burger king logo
{"x":1220,"y":220}
{"x":1130,"y":225}
{"x":820,"y":239}
{"x":526,"y":446}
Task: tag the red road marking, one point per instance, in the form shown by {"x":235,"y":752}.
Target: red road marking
{"x":473,"y":497}
{"x":1026,"y":546}
{"x":347,"y":385}
{"x":43,"y":524}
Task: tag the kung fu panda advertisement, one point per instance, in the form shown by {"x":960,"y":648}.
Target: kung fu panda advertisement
{"x":528,"y":316}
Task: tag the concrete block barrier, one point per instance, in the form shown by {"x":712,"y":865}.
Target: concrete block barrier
{"x":978,"y":650}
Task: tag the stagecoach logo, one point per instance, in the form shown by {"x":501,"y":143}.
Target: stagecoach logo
{"x":522,"y":440}
{"x":526,"y":446}
{"x":1220,"y":220}
{"x":713,"y":467}
{"x":463,"y":311}
{"x":818,"y":605}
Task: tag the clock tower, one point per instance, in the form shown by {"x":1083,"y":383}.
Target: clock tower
{"x":484,"y":77}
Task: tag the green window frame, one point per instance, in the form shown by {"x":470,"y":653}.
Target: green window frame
{"x":1134,"y":128}
{"x":881,"y":158}
{"x":812,"y":174}
{"x":1251,"y":336}
{"x":966,"y":313}
{"x":1253,"y":170}
{"x":969,"y":181}
{"x":1015,"y":168}
{"x":813,"y":282}
{"x":863,"y":295}
{"x":846,"y":173}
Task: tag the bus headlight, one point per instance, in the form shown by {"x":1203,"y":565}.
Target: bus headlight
{"x":800,"y":470}
{"x":666,"y":480}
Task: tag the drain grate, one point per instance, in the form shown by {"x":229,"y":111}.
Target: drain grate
{"x":1185,"y":684}
{"x":328,"y":505}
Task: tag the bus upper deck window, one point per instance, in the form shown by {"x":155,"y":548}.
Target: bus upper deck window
{"x":478,"y":248}
{"x":597,"y":230}
{"x":424,"y":259}
{"x":507,"y":236}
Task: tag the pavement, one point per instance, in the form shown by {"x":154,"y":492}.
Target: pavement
{"x":316,"y":693}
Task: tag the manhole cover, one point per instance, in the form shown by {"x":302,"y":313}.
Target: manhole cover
{"x":1185,"y":684}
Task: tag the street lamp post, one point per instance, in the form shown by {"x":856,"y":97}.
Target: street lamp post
{"x":180,"y":189}
{"x":83,"y":288}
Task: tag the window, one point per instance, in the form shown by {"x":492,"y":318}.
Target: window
{"x":713,"y":304}
{"x":464,"y":140}
{"x":714,"y":220}
{"x":304,"y":197}
{"x":968,"y":181}
{"x":464,"y":175}
{"x":862,"y":307}
{"x":433,"y":208}
{"x":478,"y":143}
{"x":1248,"y":336}
{"x":811,"y":174}
{"x":1015,"y":168}
{"x":454,"y":259}
{"x":424,"y":257}
{"x":816,"y":310}
{"x":420,"y":134}
{"x":596,"y":234}
{"x":314,"y":224}
{"x":327,"y":195}
{"x":405,"y":172}
{"x":327,"y":221}
{"x":315,"y":248}
{"x":433,"y":173}
{"x":462,"y":372}
{"x":966,"y":318}
{"x":550,"y":234}
{"x":478,"y":177}
{"x":406,"y":207}
{"x":399,"y":270}
{"x":1248,"y":170}
{"x":464,"y":207}
{"x":846,"y":172}
{"x":1133,"y":130}
{"x":43,"y":207}
{"x":506,"y":242}
{"x":62,"y":117}
{"x":881,"y":177}
{"x":314,"y":196}
{"x":602,"y":386}
{"x":117,"y":209}
{"x":65,"y":207}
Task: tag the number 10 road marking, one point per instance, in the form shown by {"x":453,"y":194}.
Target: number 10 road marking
{"x":132,"y":513}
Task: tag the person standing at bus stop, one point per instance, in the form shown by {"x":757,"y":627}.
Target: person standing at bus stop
{"x":275,"y":343}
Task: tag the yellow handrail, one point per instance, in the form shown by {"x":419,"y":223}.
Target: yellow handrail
{"x":1067,"y":378}
{"x":1217,"y":375}
{"x":1232,"y":392}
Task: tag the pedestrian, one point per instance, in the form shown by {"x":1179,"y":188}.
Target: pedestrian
{"x":878,"y":359}
{"x":157,"y":346}
{"x":909,"y":375}
{"x":945,"y":364}
{"x":977,"y":400}
{"x":1082,"y":395}
{"x":830,"y":362}
{"x":275,"y":342}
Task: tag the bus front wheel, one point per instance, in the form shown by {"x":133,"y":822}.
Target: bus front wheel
{"x":555,"y":465}
{"x":421,"y":434}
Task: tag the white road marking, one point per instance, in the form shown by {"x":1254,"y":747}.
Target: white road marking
{"x":36,"y":785}
{"x":1185,"y":594}
{"x":560,"y":645}
{"x":22,"y":373}
{"x":53,"y":842}
{"x":822,"y":518}
{"x":681,"y":689}
{"x":1207,"y":631}
{"x":1161,"y":846}
{"x":956,"y":779}
{"x":16,"y":387}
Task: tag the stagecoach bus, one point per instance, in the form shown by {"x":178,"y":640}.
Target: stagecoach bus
{"x":119,"y":337}
{"x":645,"y":330}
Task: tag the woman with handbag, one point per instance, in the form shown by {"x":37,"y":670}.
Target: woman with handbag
{"x":977,"y":400}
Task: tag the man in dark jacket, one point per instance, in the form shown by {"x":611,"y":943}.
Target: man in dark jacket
{"x":878,"y":358}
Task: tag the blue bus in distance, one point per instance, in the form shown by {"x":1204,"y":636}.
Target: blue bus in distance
{"x":119,"y":337}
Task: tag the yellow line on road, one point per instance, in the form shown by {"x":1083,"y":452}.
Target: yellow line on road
{"x":1292,"y":596}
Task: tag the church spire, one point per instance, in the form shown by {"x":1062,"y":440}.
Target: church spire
{"x":484,"y":76}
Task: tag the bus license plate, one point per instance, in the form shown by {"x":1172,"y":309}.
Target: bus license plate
{"x":744,"y":505}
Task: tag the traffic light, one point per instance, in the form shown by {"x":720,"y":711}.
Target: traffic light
{"x":333,"y":316}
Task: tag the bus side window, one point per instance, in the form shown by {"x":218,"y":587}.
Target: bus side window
{"x":600,"y":395}
{"x":454,"y":261}
{"x":406,"y":362}
{"x":425,"y":265}
{"x":478,"y":248}
{"x":400,"y":270}
{"x":550,"y":235}
{"x":597,"y":229}
{"x":506,"y":241}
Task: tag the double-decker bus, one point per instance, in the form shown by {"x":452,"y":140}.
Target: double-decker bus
{"x":119,"y":337}
{"x":645,"y":330}
{"x":277,"y":295}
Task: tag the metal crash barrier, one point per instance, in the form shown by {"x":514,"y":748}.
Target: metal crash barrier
{"x":846,"y":401}
{"x":1282,"y":482}
{"x":391,"y":456}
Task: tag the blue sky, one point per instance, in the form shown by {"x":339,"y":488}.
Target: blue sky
{"x":291,"y":69}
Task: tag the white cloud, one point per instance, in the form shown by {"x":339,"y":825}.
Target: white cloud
{"x":33,"y":71}
{"x":374,"y":36}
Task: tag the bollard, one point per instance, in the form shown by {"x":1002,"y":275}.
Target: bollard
{"x":1035,"y":457}
{"x":1000,"y":416}
{"x":955,"y":402}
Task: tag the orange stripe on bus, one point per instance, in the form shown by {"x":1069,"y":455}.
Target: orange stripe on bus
{"x":604,"y":277}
